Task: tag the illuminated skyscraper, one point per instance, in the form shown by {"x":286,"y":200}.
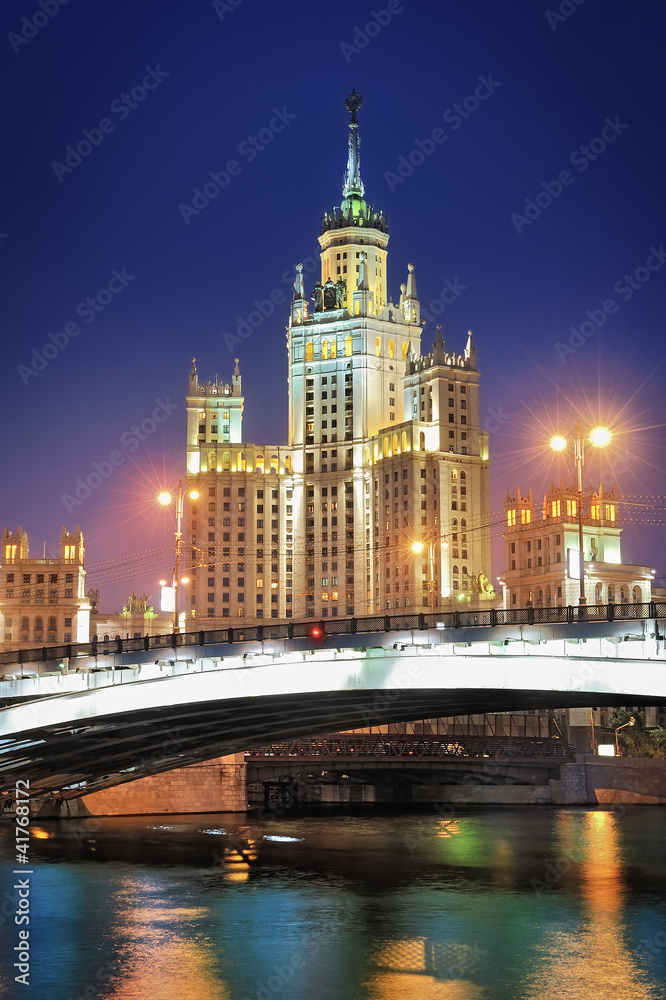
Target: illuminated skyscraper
{"x":384,"y":449}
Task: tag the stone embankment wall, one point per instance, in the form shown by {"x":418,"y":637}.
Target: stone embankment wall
{"x":214,"y":786}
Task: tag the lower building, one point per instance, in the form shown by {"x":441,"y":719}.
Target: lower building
{"x":542,"y":553}
{"x":42,"y":601}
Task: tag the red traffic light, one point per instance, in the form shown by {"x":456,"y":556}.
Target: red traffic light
{"x":317,"y":634}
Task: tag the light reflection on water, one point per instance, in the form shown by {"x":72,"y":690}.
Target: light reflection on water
{"x":531,"y":904}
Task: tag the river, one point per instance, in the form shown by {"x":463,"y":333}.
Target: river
{"x":465,"y":904}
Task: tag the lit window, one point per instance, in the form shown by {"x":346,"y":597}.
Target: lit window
{"x":555,"y":507}
{"x":525,"y":516}
{"x":510,"y":518}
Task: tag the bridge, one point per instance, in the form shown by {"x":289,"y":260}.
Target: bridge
{"x":95,"y":716}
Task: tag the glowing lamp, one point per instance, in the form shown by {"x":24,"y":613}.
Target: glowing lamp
{"x":317,"y":634}
{"x":558,"y":443}
{"x":417,"y":547}
{"x":164,"y":499}
{"x":600,"y":437}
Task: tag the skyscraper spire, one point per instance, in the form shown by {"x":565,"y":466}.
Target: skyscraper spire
{"x":352,"y":182}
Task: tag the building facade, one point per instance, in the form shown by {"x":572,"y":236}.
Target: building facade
{"x":384,"y":449}
{"x":42,"y":600}
{"x":541,"y":551}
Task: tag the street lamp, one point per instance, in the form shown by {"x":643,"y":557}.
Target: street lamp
{"x":165,"y":499}
{"x":599,"y":437}
{"x":418,"y":547}
{"x":632,"y":722}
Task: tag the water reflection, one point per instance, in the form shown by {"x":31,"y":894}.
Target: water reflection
{"x":486,"y":905}
{"x":595,"y":952}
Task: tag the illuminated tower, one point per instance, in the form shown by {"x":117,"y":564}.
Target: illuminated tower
{"x":384,"y":449}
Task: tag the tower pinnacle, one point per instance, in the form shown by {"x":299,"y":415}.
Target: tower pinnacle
{"x":353,"y":185}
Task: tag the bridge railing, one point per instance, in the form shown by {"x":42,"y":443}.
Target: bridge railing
{"x":343,"y":626}
{"x":381,"y":747}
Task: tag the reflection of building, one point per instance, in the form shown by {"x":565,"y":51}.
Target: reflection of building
{"x":385,"y":447}
{"x":42,"y":600}
{"x":541,"y":561}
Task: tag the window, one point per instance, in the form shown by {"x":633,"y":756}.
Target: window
{"x":510,"y":518}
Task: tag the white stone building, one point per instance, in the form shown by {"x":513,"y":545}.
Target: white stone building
{"x":42,"y":600}
{"x":384,"y":449}
{"x":541,"y":552}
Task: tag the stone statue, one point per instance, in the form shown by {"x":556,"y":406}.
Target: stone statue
{"x":330,"y":295}
{"x":341,"y":293}
{"x":318,"y":296}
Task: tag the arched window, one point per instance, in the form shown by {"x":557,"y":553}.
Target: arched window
{"x":463,"y":475}
{"x":334,"y":348}
{"x":454,"y":522}
{"x":308,"y":351}
{"x":636,"y":595}
{"x":385,"y":450}
{"x":463,"y":523}
{"x":52,"y":627}
{"x":324,"y":350}
{"x":396,"y":450}
{"x":287,"y":464}
{"x":405,"y":348}
{"x":455,"y":571}
{"x":611,"y":595}
{"x":375,"y":450}
{"x":624,"y":595}
{"x":240,"y":464}
{"x":539,"y":598}
{"x":422,"y":441}
{"x":599,"y":593}
{"x":24,"y":625}
{"x":548,"y":597}
{"x":391,"y":348}
{"x":404,"y":440}
{"x":274,"y":463}
{"x":378,"y":346}
{"x":39,"y":625}
{"x":211,"y":461}
{"x":367,"y":456}
{"x":348,"y":346}
{"x":259,"y":463}
{"x":226,"y":461}
{"x":106,"y":637}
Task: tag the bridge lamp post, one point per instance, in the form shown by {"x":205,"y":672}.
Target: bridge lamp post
{"x":599,"y":437}
{"x":632,"y":722}
{"x":419,"y":547}
{"x":165,"y":499}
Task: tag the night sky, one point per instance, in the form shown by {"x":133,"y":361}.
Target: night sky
{"x":534,"y":200}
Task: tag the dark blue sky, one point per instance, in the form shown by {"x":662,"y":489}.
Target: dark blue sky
{"x":218,"y":74}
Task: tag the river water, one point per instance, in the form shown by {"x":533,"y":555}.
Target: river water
{"x":501,"y":904}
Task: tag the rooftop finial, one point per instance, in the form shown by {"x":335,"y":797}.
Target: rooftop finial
{"x":353,"y":183}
